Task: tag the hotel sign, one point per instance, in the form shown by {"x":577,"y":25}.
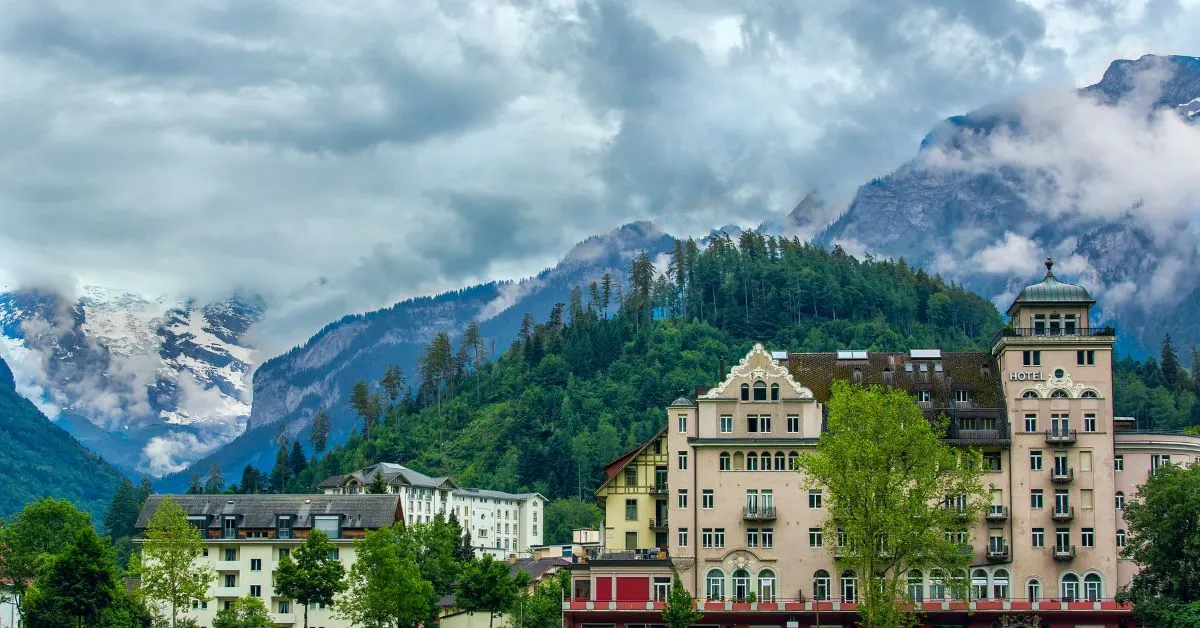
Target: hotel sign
{"x":1027,"y":376}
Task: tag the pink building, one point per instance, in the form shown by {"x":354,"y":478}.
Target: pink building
{"x":746,"y":530}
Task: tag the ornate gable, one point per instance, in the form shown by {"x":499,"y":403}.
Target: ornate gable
{"x":758,"y":364}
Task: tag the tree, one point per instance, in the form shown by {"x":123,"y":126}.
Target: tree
{"x":251,"y":480}
{"x":196,"y":487}
{"x":565,"y":515}
{"x":1172,"y":373}
{"x":167,"y":567}
{"x":385,"y":587}
{"x":279,"y":473}
{"x":463,"y":551}
{"x":680,"y":610}
{"x":484,"y":585}
{"x":360,"y":400}
{"x":247,"y":612}
{"x":74,"y":588}
{"x":393,"y":383}
{"x":122,"y":511}
{"x":296,"y":460}
{"x":215,"y":482}
{"x":309,"y":575}
{"x":41,"y":530}
{"x":888,"y":479}
{"x":377,"y":485}
{"x":319,"y":435}
{"x":1164,"y":540}
{"x":539,"y":608}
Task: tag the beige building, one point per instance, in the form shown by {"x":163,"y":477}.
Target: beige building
{"x":634,"y":498}
{"x":247,"y":535}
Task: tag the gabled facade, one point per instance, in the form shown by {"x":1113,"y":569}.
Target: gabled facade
{"x":634,"y":499}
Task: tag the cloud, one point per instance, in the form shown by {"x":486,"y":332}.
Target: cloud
{"x":1008,"y":257}
{"x":338,"y":158}
{"x":174,"y":451}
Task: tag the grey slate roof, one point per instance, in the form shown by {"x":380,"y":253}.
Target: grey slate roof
{"x":259,"y":511}
{"x":392,"y":474}
{"x":1051,"y":290}
{"x":483,"y":492}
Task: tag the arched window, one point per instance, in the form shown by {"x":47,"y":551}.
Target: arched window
{"x":849,"y":586}
{"x":741,"y":584}
{"x":724,"y":459}
{"x":766,"y":586}
{"x":1090,"y":394}
{"x":1030,"y":394}
{"x":738,"y":459}
{"x":765,"y":458}
{"x":979,"y":585}
{"x":821,"y":585}
{"x":1068,"y":588}
{"x":1120,"y":538}
{"x":960,"y":579}
{"x":714,"y":584}
{"x":937,"y":584}
{"x":794,"y":461}
{"x":774,"y":392}
{"x":745,"y":392}
{"x":760,"y":391}
{"x":1120,"y":500}
{"x":779,"y":461}
{"x":1033,"y":589}
{"x":1059,"y":394}
{"x":1000,"y":584}
{"x":916,"y":585}
{"x":752,"y":461}
{"x":1093,"y":587}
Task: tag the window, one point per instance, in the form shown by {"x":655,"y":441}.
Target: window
{"x":916,"y":585}
{"x":814,"y":498}
{"x":766,"y":585}
{"x":283,"y":527}
{"x":682,"y":423}
{"x":719,"y":537}
{"x":1034,"y":590}
{"x":1039,"y":537}
{"x":1029,"y":394}
{"x":726,"y":424}
{"x":706,"y":499}
{"x":330,"y":525}
{"x":1035,"y":460}
{"x":1092,"y":589}
{"x":745,"y":392}
{"x":284,"y":552}
{"x":230,"y":580}
{"x":1085,"y":461}
{"x":752,"y":424}
{"x":1031,"y":423}
{"x":793,"y":424}
{"x":752,"y":461}
{"x":715,"y":584}
{"x":937,"y":585}
{"x":780,"y":465}
{"x":630,"y":510}
{"x":1120,"y":538}
{"x":764,"y":424}
{"x":333,"y":554}
{"x":751,"y":500}
{"x":1158,"y":460}
{"x":1062,"y":538}
{"x":1031,"y":358}
{"x":1089,"y":394}
{"x":662,"y":589}
{"x":255,"y":590}
{"x":1069,"y":588}
{"x":285,"y":607}
{"x":766,"y":538}
{"x":849,"y":586}
{"x":682,"y":493}
{"x":1089,"y":537}
{"x":683,"y":537}
{"x":1061,"y":500}
{"x":1059,"y":393}
{"x":683,"y":461}
{"x":752,"y":537}
{"x":1120,"y":500}
{"x":991,"y":461}
{"x":255,"y":564}
{"x":1085,"y":358}
{"x":1035,"y":498}
{"x":962,"y":396}
{"x":230,"y":554}
{"x":815,"y":537}
{"x":724,"y":461}
{"x":1000,"y":584}
{"x":631,"y":542}
{"x":923,"y":396}
{"x":760,"y":391}
{"x":630,"y":476}
{"x":1118,"y":463}
{"x":765,"y":460}
{"x":1060,"y":424}
{"x":1089,"y":423}
{"x":774,"y":392}
{"x":793,"y":461}
{"x":821,"y":585}
{"x":979,"y":584}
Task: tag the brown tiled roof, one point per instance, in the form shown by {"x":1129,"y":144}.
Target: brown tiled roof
{"x":973,"y":371}
{"x":259,"y":511}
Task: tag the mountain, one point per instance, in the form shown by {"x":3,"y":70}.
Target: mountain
{"x":958,"y":210}
{"x":150,"y":384}
{"x":40,"y":459}
{"x":320,"y":373}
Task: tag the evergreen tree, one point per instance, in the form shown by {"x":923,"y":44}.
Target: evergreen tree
{"x":167,"y":568}
{"x":360,"y":400}
{"x":392,"y":383}
{"x":1171,"y":371}
{"x":196,"y":486}
{"x":251,"y":481}
{"x":296,"y":460}
{"x":215,"y":482}
{"x":319,"y":435}
{"x":123,"y":511}
{"x":310,"y":575}
{"x":463,"y":551}
{"x":680,"y":610}
{"x":280,"y":474}
{"x":377,"y":485}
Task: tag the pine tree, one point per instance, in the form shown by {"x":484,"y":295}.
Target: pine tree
{"x":360,"y":397}
{"x":279,"y":474}
{"x":196,"y":487}
{"x":319,"y":434}
{"x":393,"y":383}
{"x":215,"y":482}
{"x":606,"y":293}
{"x":377,"y":485}
{"x":281,"y":436}
{"x":1196,"y":370}
{"x":250,"y":480}
{"x":296,"y":461}
{"x":1170,"y":365}
{"x":122,"y":512}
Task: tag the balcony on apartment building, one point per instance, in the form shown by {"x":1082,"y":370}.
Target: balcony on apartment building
{"x":644,"y":555}
{"x":659,"y":489}
{"x":997,"y":550}
{"x":1055,"y":332}
{"x":1062,"y":476}
{"x":1063,"y":514}
{"x":996,"y":513}
{"x":759,"y":513}
{"x":1061,"y":437}
{"x":658,"y":524}
{"x":1064,"y":552}
{"x":972,"y":429}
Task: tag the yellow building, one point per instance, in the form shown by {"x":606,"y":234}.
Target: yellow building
{"x":634,"y":498}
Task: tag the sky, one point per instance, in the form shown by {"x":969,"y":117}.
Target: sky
{"x":338,"y":156}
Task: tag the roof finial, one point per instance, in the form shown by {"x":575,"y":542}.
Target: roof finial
{"x":1049,"y":265}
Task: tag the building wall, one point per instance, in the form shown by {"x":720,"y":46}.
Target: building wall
{"x":643,"y":491}
{"x":502,"y":525}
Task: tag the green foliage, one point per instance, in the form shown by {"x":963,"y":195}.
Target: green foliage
{"x":1164,"y":540}
{"x":385,"y":583}
{"x":1142,"y":390}
{"x":40,"y":459}
{"x":215,"y":483}
{"x":377,"y":485}
{"x":244,"y":612}
{"x":565,"y":515}
{"x":680,"y":610}
{"x":484,"y":585}
{"x":41,"y":531}
{"x":539,"y":608}
{"x":309,"y":575}
{"x":76,"y":586}
{"x":167,"y":568}
{"x":886,"y":474}
{"x":122,"y":515}
{"x":319,"y":433}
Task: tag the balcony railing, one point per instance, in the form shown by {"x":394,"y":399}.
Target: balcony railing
{"x":997,"y":513}
{"x":1062,"y":476}
{"x":967,"y":430}
{"x":659,"y":489}
{"x":1046,"y":332}
{"x":1056,"y":437}
{"x":659,"y":523}
{"x":1063,"y":552}
{"x":649,"y":553}
{"x":759,"y":513}
{"x":1063,"y":514}
{"x":997,"y":551}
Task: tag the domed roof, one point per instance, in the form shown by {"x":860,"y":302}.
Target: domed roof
{"x":682,"y":401}
{"x":1051,"y":290}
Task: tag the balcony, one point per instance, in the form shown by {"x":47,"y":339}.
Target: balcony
{"x":997,"y":513}
{"x":1062,"y":552}
{"x":1055,"y":334}
{"x":659,"y":489}
{"x":1063,"y":514}
{"x":659,"y":523}
{"x":759,"y":513}
{"x":1062,"y":476}
{"x":1061,"y":437}
{"x":997,"y":551}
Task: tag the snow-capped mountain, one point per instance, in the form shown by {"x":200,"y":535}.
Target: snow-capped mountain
{"x":149,"y":383}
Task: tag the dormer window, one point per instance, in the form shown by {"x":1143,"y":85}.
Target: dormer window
{"x":774,"y":392}
{"x":745,"y":392}
{"x":760,"y":391}
{"x":331,"y":525}
{"x":283,"y":527}
{"x":229,"y":527}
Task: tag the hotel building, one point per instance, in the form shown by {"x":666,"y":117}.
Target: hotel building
{"x":745,"y":530}
{"x":247,"y":535}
